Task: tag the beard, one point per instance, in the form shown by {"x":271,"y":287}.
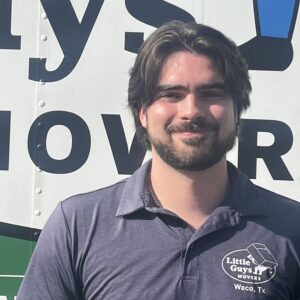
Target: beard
{"x":199,"y":153}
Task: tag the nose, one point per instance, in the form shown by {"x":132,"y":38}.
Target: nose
{"x":191,"y":108}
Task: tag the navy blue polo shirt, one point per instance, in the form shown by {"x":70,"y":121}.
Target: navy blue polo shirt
{"x":115,"y":243}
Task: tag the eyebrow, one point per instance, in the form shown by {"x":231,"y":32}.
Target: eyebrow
{"x":178,"y":87}
{"x":215,"y":85}
{"x":168,"y":87}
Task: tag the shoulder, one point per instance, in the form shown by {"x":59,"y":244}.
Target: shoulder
{"x":92,"y":197}
{"x":123,"y":197}
{"x":274,"y":212}
{"x":76,"y":219}
{"x":264,"y":201}
{"x":283,"y":215}
{"x":279,"y":203}
{"x":105,"y":200}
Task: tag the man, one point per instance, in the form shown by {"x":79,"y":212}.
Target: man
{"x":188,"y":224}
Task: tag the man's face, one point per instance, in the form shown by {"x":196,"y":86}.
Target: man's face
{"x":191,"y":122}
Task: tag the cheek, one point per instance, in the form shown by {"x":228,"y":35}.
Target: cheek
{"x":161,"y":113}
{"x":222,"y":110}
{"x":221,"y":114}
{"x":224,"y":115}
{"x":217,"y":111}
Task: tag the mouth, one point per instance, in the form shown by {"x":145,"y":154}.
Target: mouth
{"x":192,"y":131}
{"x":191,"y":128}
{"x":192,"y":134}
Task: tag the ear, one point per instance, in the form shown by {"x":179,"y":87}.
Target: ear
{"x":143,"y":116}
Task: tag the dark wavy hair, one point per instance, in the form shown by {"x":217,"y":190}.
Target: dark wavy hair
{"x":196,"y":38}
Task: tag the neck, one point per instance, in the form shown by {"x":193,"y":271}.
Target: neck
{"x":192,"y":195}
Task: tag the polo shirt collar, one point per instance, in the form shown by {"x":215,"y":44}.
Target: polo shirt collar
{"x":136,"y":191}
{"x":243,"y":197}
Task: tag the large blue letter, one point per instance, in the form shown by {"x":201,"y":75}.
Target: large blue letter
{"x":71,"y":35}
{"x":81,"y":142}
{"x":126,"y":161}
{"x":249,"y":151}
{"x":7,"y":40}
{"x":154,"y":13}
{"x":4,"y":139}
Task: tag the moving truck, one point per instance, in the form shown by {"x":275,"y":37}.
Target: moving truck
{"x":64,"y":123}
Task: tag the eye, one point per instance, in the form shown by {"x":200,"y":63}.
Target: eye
{"x":171,"y":96}
{"x":213,"y":95}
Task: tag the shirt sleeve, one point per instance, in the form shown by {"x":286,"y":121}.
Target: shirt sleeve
{"x":51,"y":274}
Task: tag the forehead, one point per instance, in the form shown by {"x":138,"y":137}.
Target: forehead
{"x":187,"y":68}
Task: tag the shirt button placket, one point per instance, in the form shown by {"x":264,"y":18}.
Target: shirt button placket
{"x":190,"y":270}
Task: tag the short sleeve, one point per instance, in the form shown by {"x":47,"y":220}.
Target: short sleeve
{"x":51,"y":274}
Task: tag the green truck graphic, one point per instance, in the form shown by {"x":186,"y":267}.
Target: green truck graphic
{"x":16,"y":247}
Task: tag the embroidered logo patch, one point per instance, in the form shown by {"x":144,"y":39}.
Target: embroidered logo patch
{"x":255,"y":264}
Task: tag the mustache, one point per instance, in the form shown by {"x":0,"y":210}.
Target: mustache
{"x":192,"y":126}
